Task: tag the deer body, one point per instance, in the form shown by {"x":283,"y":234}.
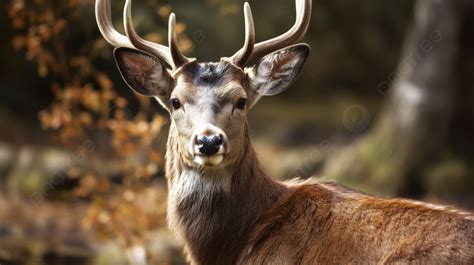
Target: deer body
{"x":242,"y":216}
{"x":322,"y":223}
{"x":224,"y":207}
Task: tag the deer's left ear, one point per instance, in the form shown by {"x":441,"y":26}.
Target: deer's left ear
{"x":277,"y":71}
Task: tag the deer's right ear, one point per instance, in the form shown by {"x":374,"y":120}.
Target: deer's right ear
{"x":144,"y":73}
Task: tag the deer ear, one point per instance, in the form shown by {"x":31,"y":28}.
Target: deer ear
{"x":143,"y":73}
{"x":277,"y":71}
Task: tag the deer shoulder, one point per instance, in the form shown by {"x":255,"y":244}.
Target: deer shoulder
{"x":320,"y":222}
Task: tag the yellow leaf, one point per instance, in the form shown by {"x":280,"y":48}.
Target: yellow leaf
{"x":42,"y":70}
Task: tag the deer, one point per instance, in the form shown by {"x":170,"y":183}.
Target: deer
{"x":223,"y":206}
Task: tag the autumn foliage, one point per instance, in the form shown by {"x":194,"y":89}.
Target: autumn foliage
{"x":87,"y":107}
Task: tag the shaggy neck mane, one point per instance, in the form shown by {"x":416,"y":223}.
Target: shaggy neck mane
{"x":214,"y":210}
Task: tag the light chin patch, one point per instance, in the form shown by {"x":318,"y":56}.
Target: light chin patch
{"x":208,"y":161}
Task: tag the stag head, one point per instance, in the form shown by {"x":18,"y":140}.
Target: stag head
{"x":208,"y":102}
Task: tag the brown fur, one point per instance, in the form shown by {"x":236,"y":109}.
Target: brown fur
{"x":315,"y":224}
{"x":261,"y":221}
{"x":214,"y":226}
{"x":237,"y":214}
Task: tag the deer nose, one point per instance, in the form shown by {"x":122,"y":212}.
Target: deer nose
{"x":209,"y":145}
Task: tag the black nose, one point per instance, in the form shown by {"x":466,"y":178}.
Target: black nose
{"x":209,"y":145}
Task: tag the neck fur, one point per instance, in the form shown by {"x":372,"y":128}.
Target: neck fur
{"x":213,"y":211}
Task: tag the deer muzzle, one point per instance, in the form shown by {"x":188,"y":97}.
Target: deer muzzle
{"x":209,"y":145}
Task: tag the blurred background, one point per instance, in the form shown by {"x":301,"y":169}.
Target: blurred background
{"x":385,"y":105}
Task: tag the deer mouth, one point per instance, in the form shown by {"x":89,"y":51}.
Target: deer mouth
{"x":209,"y":161}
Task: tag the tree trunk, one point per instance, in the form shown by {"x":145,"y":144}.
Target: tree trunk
{"x":417,"y":112}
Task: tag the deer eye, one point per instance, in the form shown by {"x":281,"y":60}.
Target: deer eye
{"x":175,"y":102}
{"x":241,"y":103}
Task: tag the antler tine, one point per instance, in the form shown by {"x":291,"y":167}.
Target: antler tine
{"x":160,"y":51}
{"x":303,"y":17}
{"x":177,"y":56}
{"x":107,"y":29}
{"x":242,"y":56}
{"x":171,"y":55}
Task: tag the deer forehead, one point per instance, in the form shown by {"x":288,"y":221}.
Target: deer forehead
{"x":218,"y":83}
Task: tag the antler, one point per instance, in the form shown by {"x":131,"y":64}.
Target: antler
{"x":242,"y":56}
{"x":171,"y":55}
{"x":251,"y":51}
